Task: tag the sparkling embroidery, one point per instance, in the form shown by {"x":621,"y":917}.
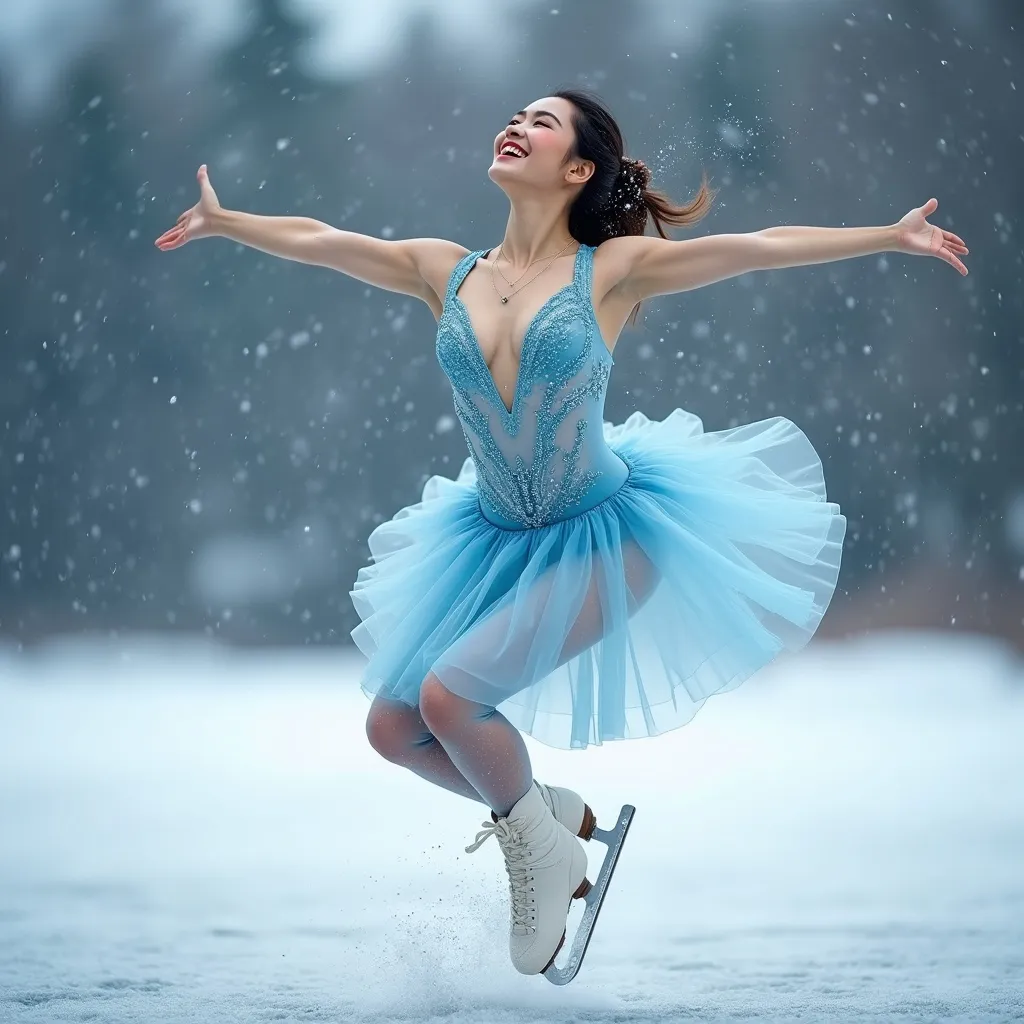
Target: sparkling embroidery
{"x":535,"y":461}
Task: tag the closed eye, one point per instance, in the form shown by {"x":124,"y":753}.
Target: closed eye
{"x":543,"y":124}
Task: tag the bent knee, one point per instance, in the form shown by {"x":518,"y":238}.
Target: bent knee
{"x":440,"y":707}
{"x":435,"y":699}
{"x":393,"y":728}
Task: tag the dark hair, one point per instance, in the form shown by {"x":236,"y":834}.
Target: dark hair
{"x":617,"y":200}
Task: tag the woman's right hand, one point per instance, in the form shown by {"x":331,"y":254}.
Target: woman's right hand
{"x":197,"y":222}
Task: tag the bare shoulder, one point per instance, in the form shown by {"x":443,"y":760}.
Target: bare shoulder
{"x":614,"y":259}
{"x":435,"y":259}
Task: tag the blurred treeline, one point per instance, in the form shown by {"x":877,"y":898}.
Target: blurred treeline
{"x":202,"y":440}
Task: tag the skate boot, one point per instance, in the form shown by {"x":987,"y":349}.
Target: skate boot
{"x":547,"y":870}
{"x":568,"y":808}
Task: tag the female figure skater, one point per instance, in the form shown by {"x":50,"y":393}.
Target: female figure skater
{"x":579,"y":581}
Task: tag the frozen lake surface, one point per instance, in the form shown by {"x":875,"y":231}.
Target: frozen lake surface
{"x":194,"y":835}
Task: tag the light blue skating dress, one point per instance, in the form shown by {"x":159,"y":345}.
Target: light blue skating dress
{"x":593,"y":581}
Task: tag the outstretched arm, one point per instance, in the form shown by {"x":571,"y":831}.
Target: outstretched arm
{"x":645,"y":266}
{"x":412,"y":266}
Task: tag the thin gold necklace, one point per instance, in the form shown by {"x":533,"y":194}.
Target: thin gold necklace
{"x":505,"y":298}
{"x":511,"y":284}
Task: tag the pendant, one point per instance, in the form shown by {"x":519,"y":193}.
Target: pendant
{"x":504,"y":299}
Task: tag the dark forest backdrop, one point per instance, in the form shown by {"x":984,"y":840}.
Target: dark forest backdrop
{"x":202,"y":439}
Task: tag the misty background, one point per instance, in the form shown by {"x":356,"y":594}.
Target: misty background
{"x":195,"y":445}
{"x":202,"y":440}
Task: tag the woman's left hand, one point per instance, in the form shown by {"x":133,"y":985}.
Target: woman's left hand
{"x":916,"y":235}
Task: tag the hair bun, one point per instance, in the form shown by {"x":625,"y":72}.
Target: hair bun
{"x":626,"y":210}
{"x":637,"y":170}
{"x":633,"y":178}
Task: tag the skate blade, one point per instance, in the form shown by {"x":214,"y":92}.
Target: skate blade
{"x":613,"y":839}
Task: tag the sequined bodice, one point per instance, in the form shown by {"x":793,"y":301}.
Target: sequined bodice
{"x":546,"y":459}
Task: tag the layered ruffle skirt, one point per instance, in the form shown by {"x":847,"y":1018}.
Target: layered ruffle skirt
{"x":718,"y":553}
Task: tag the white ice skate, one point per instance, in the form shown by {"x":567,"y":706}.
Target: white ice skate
{"x":547,"y":869}
{"x":569,"y":809}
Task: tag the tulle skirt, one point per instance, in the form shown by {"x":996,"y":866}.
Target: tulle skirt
{"x":719,"y":552}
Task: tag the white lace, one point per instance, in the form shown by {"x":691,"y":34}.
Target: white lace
{"x":519,"y":877}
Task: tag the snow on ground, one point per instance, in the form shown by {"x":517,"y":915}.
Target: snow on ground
{"x":189,"y":834}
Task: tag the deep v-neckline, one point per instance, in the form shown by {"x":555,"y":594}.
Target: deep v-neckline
{"x":510,"y":413}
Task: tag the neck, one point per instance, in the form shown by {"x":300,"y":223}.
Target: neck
{"x":536,"y":229}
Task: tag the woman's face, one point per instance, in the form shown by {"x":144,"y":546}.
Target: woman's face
{"x":544,"y":133}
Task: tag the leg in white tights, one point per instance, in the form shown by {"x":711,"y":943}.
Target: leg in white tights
{"x":470,"y":748}
{"x":398,"y":733}
{"x":481,"y":742}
